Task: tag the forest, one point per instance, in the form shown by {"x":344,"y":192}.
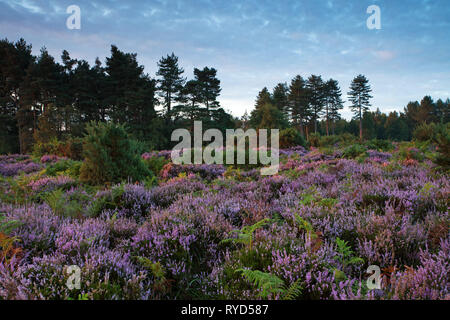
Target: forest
{"x":43,"y":100}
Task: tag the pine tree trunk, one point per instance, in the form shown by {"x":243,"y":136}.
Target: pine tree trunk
{"x":327,"y":121}
{"x":360,"y":130}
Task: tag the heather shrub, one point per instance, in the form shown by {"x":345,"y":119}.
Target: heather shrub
{"x":123,"y":201}
{"x":110,"y":155}
{"x":12,"y":169}
{"x":48,"y":184}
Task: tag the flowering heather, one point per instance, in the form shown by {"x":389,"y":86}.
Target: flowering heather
{"x":8,"y":169}
{"x":47,"y":184}
{"x":207,"y":172}
{"x":188,"y":233}
{"x":49,"y":158}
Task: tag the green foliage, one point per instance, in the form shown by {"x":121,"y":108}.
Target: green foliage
{"x":7,"y":227}
{"x":71,"y":148}
{"x":66,"y":205}
{"x":108,"y":201}
{"x":346,"y":254}
{"x":7,"y":241}
{"x":443,"y":147}
{"x":269,"y":284}
{"x":64,"y":167}
{"x":291,"y":137}
{"x":408,"y":151}
{"x":314,"y":139}
{"x":380,"y":145}
{"x":155,"y":164}
{"x":354,"y":151}
{"x":245,"y":235}
{"x":110,"y":155}
{"x":425,"y":132}
{"x":155,"y":267}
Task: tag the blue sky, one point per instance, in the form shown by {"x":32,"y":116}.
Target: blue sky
{"x":257,"y":43}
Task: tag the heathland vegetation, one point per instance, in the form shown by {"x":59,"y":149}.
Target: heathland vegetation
{"x":86,"y":180}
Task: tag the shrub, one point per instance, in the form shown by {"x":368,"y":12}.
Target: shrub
{"x":408,"y":151}
{"x":354,"y":151}
{"x":443,"y":149}
{"x":290,"y":137}
{"x":154,"y":163}
{"x":328,"y":141}
{"x":66,"y":166}
{"x":110,"y":155}
{"x":425,"y":132}
{"x":314,"y":139}
{"x":71,"y":148}
{"x":379,"y":145}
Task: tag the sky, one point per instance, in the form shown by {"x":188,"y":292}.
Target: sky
{"x":257,"y":43}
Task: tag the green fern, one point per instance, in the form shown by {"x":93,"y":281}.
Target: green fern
{"x":270,"y":284}
{"x":56,"y":201}
{"x":346,"y":254}
{"x":245,"y":235}
{"x":155,"y":267}
{"x":346,"y":258}
{"x":7,"y":227}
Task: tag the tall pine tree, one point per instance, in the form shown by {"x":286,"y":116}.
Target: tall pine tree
{"x":333,"y":103}
{"x":171,"y":82}
{"x":316,"y":97}
{"x":298,"y":103}
{"x":359,"y":96}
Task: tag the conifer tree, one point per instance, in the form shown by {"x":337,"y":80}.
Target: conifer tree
{"x":333,"y":103}
{"x":208,"y":86}
{"x":171,"y":82}
{"x":316,"y":95}
{"x":359,"y":96}
{"x":298,"y":103}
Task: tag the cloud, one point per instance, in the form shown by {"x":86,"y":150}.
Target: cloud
{"x":384,"y":54}
{"x":254,"y":43}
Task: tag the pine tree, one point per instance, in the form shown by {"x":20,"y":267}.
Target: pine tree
{"x":15,"y":59}
{"x":359,"y":96}
{"x":262,"y":99}
{"x":190,"y":99}
{"x":171,"y":83}
{"x":209,"y":87}
{"x":46,"y":96}
{"x":280,"y":97}
{"x":130,"y":93}
{"x":316,"y":97}
{"x":333,"y":103}
{"x":298,"y":103}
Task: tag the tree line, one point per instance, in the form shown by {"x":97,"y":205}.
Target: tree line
{"x":42,"y":99}
{"x":313,"y":105}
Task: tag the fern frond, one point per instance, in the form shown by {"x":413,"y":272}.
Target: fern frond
{"x":266,"y":282}
{"x":294,"y":291}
